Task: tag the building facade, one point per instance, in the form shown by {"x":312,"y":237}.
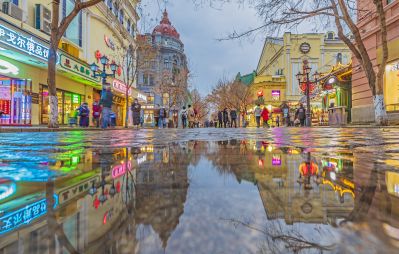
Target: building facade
{"x":362,"y":98}
{"x":164,"y":79}
{"x":283,"y":58}
{"x":105,"y":29}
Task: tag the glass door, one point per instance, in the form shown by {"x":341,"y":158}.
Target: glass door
{"x":21,"y":102}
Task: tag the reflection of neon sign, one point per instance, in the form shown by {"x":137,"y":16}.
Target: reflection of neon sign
{"x":121,"y":169}
{"x":8,"y":68}
{"x":276,"y":160}
{"x":22,"y":43}
{"x":7,"y":188}
{"x":25,"y":215}
{"x":141,"y":160}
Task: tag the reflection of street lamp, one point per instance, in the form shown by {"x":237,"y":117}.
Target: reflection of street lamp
{"x":303,"y":79}
{"x":96,"y":73}
{"x":112,"y":190}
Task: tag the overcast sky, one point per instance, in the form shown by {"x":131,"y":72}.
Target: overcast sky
{"x":199,"y":27}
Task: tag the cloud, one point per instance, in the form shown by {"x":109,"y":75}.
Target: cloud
{"x":200,"y":27}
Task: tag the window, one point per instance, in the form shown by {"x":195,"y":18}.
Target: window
{"x":275,"y":95}
{"x":115,"y":10}
{"x":121,"y":16}
{"x":330,"y":36}
{"x":74,"y":30}
{"x":152,"y":82}
{"x":150,"y":99}
{"x":15,"y":2}
{"x":109,"y":4}
{"x":132,"y":30}
{"x":165,"y":99}
{"x":390,"y":1}
{"x":145,"y":79}
{"x":339,"y":58}
{"x":128,"y":25}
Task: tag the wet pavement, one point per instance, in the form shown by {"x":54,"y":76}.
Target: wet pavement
{"x":200,"y":191}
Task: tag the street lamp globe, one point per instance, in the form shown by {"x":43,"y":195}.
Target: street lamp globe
{"x":113,"y":66}
{"x":94,"y":67}
{"x":104,"y":60}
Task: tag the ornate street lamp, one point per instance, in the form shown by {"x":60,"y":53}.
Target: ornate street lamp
{"x":305,"y":84}
{"x":103,"y":74}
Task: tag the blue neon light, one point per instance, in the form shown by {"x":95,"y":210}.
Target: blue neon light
{"x":22,"y":43}
{"x":25,"y":215}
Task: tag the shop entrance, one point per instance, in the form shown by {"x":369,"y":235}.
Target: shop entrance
{"x":15,"y":101}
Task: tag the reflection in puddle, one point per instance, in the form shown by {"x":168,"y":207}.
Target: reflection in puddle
{"x":198,"y":197}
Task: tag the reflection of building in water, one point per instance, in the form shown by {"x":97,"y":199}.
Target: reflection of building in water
{"x":81,"y":219}
{"x":161,"y":191}
{"x":285,"y":196}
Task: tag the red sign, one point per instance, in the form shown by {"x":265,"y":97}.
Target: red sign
{"x":5,"y":106}
{"x":260,"y":93}
{"x":120,"y":170}
{"x":120,"y":87}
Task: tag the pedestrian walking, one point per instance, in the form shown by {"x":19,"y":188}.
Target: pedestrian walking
{"x":301,"y":115}
{"x":258,"y":114}
{"x":136,"y":113}
{"x":220,"y":119}
{"x":233,"y":116}
{"x":96,"y":114}
{"x":225,"y":117}
{"x":106,"y":103}
{"x":265,"y":117}
{"x":191,"y":117}
{"x":278,"y":121}
{"x":184,"y":115}
{"x":84,"y":113}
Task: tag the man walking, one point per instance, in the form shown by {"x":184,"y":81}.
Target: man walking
{"x":301,"y":115}
{"x":225,"y":117}
{"x":106,"y":103}
{"x":136,"y":113}
{"x":220,"y":119}
{"x":233,"y":116}
{"x":191,"y":117}
{"x":258,"y":113}
{"x":184,"y":117}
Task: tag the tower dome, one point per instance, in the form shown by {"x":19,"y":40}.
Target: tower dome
{"x":165,"y":27}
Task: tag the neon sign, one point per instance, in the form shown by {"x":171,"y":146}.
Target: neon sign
{"x":276,"y":160}
{"x":8,"y":68}
{"x":7,"y":188}
{"x":24,"y":215}
{"x":121,"y":169}
{"x":22,"y":43}
{"x":121,"y":87}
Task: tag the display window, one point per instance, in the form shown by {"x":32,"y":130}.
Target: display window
{"x":68,"y":103}
{"x":15,"y":101}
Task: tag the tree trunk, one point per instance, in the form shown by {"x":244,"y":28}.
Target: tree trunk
{"x":51,"y":71}
{"x":127,"y":109}
{"x":381,"y":117}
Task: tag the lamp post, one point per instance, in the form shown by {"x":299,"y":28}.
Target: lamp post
{"x":303,"y":79}
{"x":103,"y":74}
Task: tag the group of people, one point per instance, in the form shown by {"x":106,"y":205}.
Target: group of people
{"x":226,"y":118}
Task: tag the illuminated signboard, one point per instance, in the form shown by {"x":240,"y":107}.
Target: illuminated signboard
{"x":77,"y":67}
{"x":7,"y":188}
{"x":276,"y":160}
{"x":141,"y":96}
{"x":8,"y":68}
{"x":120,"y":170}
{"x":120,"y":87}
{"x":77,"y":189}
{"x":27,"y":45}
{"x":24,"y":215}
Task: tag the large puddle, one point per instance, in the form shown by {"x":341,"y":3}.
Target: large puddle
{"x":197,"y":197}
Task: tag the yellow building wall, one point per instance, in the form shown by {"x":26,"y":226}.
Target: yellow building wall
{"x":322,"y":57}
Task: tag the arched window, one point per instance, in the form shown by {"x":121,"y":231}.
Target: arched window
{"x":128,"y":25}
{"x":109,"y":4}
{"x":121,"y":16}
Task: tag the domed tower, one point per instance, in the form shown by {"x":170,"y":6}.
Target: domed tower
{"x":165,"y":81}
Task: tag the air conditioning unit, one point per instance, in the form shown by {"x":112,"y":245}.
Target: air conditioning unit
{"x":9,"y":8}
{"x":43,"y":18}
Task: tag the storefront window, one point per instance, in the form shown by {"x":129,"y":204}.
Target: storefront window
{"x":15,"y":101}
{"x":148,"y":116}
{"x":68,"y":103}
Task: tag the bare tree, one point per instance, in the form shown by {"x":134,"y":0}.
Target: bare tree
{"x":231,"y":94}
{"x":280,"y":15}
{"x":200,"y":104}
{"x":133,"y":58}
{"x":174,"y":85}
{"x":58,"y":29}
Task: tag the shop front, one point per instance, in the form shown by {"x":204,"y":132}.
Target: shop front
{"x":391,"y":86}
{"x":15,"y":99}
{"x":119,"y":101}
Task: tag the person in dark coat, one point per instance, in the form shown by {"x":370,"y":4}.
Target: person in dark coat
{"x":225,"y":117}
{"x":220,"y":119}
{"x":233,"y":116}
{"x":96,"y":114}
{"x":301,"y":114}
{"x":136,"y":113}
{"x":84,"y":113}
